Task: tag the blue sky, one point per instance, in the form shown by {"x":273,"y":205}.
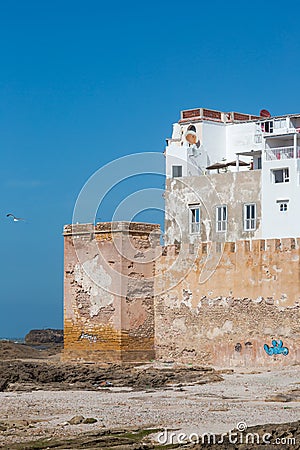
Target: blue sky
{"x":83,"y":83}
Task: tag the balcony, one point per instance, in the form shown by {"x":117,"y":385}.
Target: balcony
{"x":279,"y":126}
{"x":273,"y":132}
{"x":277,"y":153}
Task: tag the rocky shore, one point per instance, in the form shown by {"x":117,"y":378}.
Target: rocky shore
{"x":278,"y":436}
{"x":29,"y":376}
{"x":45,"y":403}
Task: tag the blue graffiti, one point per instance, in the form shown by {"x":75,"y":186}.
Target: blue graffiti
{"x":277,"y":348}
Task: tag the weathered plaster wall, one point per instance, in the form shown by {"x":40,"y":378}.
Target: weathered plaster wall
{"x":231,"y":189}
{"x":228,"y":302}
{"x":109,"y":290}
{"x":205,"y":302}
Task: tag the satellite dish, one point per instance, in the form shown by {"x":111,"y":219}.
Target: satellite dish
{"x":264,"y":113}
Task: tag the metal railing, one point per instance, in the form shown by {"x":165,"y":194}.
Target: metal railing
{"x":282,"y":153}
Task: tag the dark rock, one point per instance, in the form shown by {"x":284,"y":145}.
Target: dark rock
{"x":47,"y":336}
{"x":279,"y":398}
{"x":4,"y":384}
{"x":31,"y":375}
{"x":76,"y":420}
{"x":90,"y":420}
{"x":13,"y":350}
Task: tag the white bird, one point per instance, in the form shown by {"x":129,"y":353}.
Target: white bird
{"x":16,"y":219}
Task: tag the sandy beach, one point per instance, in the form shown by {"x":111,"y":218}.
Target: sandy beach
{"x":221,"y":402}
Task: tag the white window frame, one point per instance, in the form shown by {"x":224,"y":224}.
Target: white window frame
{"x":257,"y":138}
{"x":194,"y":219}
{"x":176,"y":176}
{"x":283,"y":205}
{"x":221,"y":218}
{"x":279,"y":123}
{"x":268,"y":124}
{"x":259,"y":163}
{"x":285,"y":175}
{"x":250,"y":221}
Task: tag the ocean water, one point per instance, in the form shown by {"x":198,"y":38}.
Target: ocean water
{"x":19,"y":340}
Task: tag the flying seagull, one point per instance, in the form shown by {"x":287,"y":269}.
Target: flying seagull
{"x":16,"y":219}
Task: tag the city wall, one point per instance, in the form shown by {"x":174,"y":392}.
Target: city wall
{"x":232,"y":300}
{"x":129,"y":299}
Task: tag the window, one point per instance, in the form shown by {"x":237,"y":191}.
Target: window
{"x":283,"y":205}
{"x":267,"y":127}
{"x":194,"y":219}
{"x":192,"y":128}
{"x":221,"y":218}
{"x":258,"y":138}
{"x":176,"y":171}
{"x":250,"y":217}
{"x":280,"y":123}
{"x":259,"y":162}
{"x":281,"y":175}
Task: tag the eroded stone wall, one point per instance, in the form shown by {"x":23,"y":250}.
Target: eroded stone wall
{"x":220,"y":304}
{"x":109,"y":291}
{"x":128,"y":299}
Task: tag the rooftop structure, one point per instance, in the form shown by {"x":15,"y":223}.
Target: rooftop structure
{"x":205,"y":142}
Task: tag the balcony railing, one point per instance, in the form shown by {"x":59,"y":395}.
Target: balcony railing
{"x":282,"y":153}
{"x":279,"y":131}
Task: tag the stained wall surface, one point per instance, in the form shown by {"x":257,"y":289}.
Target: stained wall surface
{"x":220,"y":304}
{"x":109,"y":291}
{"x":129,"y":299}
{"x":233,"y":189}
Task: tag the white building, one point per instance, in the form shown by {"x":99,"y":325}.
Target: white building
{"x":221,"y":147}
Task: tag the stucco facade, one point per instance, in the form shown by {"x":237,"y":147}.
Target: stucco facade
{"x":233,"y":189}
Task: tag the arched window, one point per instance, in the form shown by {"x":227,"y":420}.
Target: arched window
{"x":192,"y":128}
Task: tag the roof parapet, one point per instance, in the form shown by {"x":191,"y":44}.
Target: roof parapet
{"x":111,"y":227}
{"x":189,"y":115}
